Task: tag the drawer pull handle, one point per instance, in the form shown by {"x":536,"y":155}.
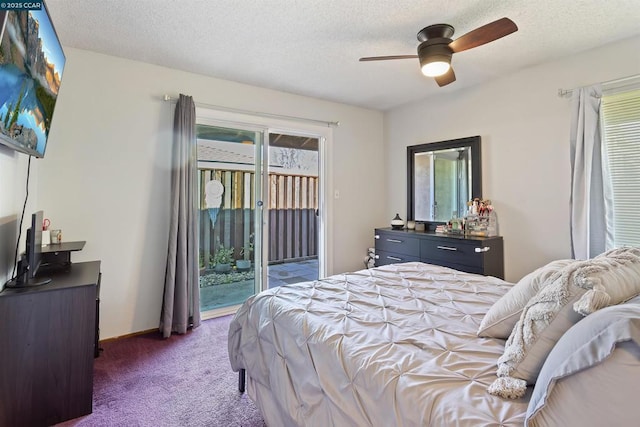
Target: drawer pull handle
{"x":447,"y":248}
{"x":377,"y":236}
{"x":484,"y":249}
{"x":394,"y":258}
{"x":394,"y":240}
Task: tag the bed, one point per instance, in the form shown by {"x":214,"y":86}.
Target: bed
{"x":395,"y":345}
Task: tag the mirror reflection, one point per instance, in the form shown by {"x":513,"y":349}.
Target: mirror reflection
{"x":443,"y":180}
{"x":443,"y":177}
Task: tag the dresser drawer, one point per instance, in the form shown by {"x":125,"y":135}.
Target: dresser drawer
{"x":397,"y":244}
{"x":461,"y":267}
{"x":384,"y":258}
{"x":452,"y":251}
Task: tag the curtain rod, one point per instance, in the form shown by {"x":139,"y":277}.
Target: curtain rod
{"x":168,"y":98}
{"x":566,"y":92}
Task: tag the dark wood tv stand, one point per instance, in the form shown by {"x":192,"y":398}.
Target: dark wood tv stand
{"x":48,"y":339}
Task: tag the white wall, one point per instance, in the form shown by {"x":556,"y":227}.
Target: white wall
{"x":524,"y":127}
{"x":105,"y":176}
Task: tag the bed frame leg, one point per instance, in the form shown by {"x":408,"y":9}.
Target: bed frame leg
{"x":241,"y":380}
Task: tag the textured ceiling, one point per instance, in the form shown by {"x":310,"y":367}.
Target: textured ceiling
{"x":311,"y":47}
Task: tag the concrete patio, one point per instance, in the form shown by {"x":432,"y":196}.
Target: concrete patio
{"x":229,"y":294}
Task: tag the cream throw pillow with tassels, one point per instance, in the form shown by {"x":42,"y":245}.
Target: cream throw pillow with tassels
{"x":578,"y":289}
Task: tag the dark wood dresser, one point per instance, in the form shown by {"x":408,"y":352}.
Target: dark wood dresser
{"x":48,"y":336}
{"x":480,"y":255}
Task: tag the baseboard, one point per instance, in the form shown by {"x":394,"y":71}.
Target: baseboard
{"x":133,"y":334}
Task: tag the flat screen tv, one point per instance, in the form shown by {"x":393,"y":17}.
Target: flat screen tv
{"x":31,"y":66}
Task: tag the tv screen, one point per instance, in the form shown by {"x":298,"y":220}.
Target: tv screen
{"x":31,"y":66}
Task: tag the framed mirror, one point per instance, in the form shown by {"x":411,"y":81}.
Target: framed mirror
{"x":441,"y":178}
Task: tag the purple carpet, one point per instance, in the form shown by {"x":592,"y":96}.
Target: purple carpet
{"x":185,"y":380}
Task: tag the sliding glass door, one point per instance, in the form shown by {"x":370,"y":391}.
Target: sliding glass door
{"x":293,"y":195}
{"x":230,"y":214}
{"x":262,"y":216}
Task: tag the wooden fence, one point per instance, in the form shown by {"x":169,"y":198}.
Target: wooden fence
{"x":292,"y":203}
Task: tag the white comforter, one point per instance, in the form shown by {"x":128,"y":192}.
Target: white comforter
{"x":390,"y":346}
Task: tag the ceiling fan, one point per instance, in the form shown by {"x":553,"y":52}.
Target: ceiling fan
{"x":436,"y":47}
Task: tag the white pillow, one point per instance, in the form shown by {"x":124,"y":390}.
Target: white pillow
{"x":503,"y":315}
{"x":548,"y":315}
{"x":612,"y":286}
{"x":577,"y":357}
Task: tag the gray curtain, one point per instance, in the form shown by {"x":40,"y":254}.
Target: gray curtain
{"x":181,"y":302}
{"x":590,"y":187}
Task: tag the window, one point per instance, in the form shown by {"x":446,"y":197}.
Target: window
{"x":621,"y":132}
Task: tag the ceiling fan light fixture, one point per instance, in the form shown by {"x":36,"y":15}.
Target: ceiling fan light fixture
{"x":435,"y":57}
{"x":436,"y":47}
{"x":435,"y":68}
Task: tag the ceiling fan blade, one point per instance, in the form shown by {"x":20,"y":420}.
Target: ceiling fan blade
{"x":384,"y":58}
{"x":483,"y":35}
{"x":446,"y":78}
